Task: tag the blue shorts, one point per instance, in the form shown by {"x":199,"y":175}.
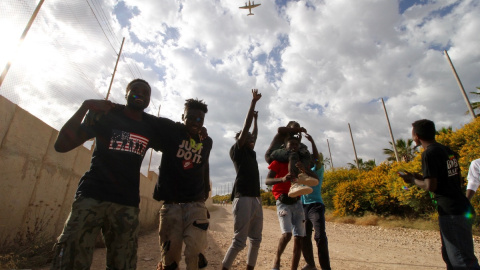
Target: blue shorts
{"x":291,"y":218}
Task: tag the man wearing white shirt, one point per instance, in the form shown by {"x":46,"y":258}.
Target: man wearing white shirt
{"x":473,"y":178}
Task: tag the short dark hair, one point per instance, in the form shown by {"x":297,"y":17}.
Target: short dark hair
{"x":425,"y":129}
{"x":135,"y":81}
{"x":292,"y":123}
{"x":196,"y":104}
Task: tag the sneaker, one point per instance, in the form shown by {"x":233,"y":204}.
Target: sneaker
{"x":309,"y":267}
{"x":304,"y":179}
{"x":298,"y":190}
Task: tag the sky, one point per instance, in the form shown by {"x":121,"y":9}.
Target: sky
{"x":325,"y":64}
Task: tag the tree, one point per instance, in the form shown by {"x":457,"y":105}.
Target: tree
{"x":364,"y":166}
{"x":444,"y":130}
{"x":476,"y":104}
{"x":405,"y":150}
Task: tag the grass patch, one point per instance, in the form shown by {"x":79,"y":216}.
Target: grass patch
{"x":428,"y":223}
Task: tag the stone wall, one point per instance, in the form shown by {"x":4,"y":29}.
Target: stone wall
{"x":37,"y":184}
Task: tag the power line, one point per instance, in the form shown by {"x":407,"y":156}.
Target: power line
{"x":101,"y":26}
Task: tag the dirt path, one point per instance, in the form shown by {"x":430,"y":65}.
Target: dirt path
{"x":351,"y":246}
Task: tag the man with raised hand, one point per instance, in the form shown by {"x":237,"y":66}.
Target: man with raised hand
{"x":107,"y":197}
{"x":315,"y":216}
{"x":247,"y":203}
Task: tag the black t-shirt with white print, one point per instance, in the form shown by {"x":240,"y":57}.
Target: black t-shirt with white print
{"x":120,"y":145}
{"x":184,"y":163}
{"x":439,"y":161}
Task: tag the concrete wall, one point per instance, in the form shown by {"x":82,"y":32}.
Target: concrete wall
{"x":37,"y":184}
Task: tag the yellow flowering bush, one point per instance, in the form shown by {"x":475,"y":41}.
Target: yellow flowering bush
{"x":368,"y":193}
{"x":382,"y":191}
{"x":332,"y":179}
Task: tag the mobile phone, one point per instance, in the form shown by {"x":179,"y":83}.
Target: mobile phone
{"x":402,"y":173}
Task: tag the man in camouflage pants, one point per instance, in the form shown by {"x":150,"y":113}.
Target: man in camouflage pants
{"x":107,"y":196}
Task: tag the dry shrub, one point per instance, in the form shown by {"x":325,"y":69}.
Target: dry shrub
{"x":28,"y":248}
{"x":346,"y":220}
{"x":368,"y":220}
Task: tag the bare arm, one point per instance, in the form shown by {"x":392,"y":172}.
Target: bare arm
{"x":71,"y":135}
{"x":316,"y":155}
{"x":255,"y":127}
{"x":271,"y":180}
{"x":470,"y":193}
{"x":248,"y":120}
{"x":428,"y":184}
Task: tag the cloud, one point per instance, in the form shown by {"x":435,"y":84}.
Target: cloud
{"x":325,"y":63}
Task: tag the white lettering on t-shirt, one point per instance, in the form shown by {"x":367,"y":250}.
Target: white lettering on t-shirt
{"x":452,"y":167}
{"x":186,"y":152}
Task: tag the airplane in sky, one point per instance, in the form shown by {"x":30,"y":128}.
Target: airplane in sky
{"x":249,"y":7}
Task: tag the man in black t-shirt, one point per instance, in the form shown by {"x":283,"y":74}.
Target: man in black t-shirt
{"x":107,"y":196}
{"x":441,"y":175}
{"x":247,"y":204}
{"x":184,"y":185}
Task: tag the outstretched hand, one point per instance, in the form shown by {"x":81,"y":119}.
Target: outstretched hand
{"x":256,"y":95}
{"x":203,"y":134}
{"x":407,"y":177}
{"x":97,"y":108}
{"x":288,"y":177}
{"x":309,"y":138}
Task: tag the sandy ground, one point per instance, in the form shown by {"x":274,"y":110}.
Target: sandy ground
{"x":351,"y":246}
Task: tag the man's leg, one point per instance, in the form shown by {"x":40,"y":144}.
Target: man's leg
{"x":304,"y":155}
{"x":456,"y":232}
{"x":282,"y":244}
{"x":297,"y":251}
{"x":317,"y":216}
{"x":307,"y":247}
{"x":241,"y":208}
{"x":298,"y":222}
{"x":285,"y":220}
{"x":121,"y":236}
{"x":75,"y":246}
{"x":195,"y":234}
{"x":171,"y":236}
{"x":255,"y":232}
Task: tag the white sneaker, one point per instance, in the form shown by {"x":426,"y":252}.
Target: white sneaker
{"x":304,"y":179}
{"x":299,"y":190}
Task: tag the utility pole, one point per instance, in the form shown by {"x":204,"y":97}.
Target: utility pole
{"x":353,"y":143}
{"x":331,"y":161}
{"x":115,"y":69}
{"x":22,"y":38}
{"x":462,"y":90}
{"x":391,"y":134}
